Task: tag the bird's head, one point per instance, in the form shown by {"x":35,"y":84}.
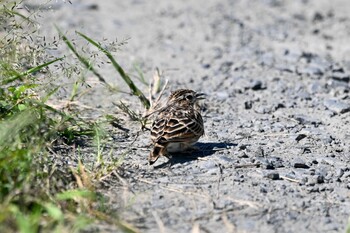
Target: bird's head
{"x":185,"y":97}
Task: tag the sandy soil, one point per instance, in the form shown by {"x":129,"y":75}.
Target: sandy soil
{"x":276,"y":155}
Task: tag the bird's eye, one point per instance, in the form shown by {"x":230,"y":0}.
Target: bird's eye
{"x":189,"y":97}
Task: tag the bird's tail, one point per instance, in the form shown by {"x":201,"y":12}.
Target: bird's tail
{"x":158,"y":150}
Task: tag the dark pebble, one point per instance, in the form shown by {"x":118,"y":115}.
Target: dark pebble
{"x":337,"y":69}
{"x":304,"y":181}
{"x":341,"y":77}
{"x":317,"y":179}
{"x":280,"y":105}
{"x":318,"y":17}
{"x":301,"y":165}
{"x":276,"y":162}
{"x":339,"y":173}
{"x":267,"y":166}
{"x":206,"y":65}
{"x":273,"y":176}
{"x":300,"y":137}
{"x":248,"y":104}
{"x":306,"y":150}
{"x":93,"y":7}
{"x":314,"y":189}
{"x":265,"y":163}
{"x":308,"y":56}
{"x":242,"y":146}
{"x":242,"y":155}
{"x":337,"y":84}
{"x":263,"y":190}
{"x":257,"y":85}
{"x":312,"y":171}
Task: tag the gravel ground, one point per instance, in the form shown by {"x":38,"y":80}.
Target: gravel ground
{"x":276,"y":154}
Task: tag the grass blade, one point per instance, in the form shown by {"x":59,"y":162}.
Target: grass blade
{"x":45,"y":98}
{"x":32,"y":70}
{"x":75,"y":193}
{"x":140,"y":76}
{"x":82,"y":59}
{"x":12,"y":12}
{"x":135,"y":91}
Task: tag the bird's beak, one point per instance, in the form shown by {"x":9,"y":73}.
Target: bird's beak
{"x":200,"y":96}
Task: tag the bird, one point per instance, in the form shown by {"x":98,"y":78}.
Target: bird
{"x":178,"y":125}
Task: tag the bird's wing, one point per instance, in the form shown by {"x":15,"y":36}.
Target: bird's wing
{"x":177,"y":125}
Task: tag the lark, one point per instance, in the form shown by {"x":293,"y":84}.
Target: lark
{"x":178,"y":125}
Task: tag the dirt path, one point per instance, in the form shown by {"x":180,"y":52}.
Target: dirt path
{"x":276,"y":156}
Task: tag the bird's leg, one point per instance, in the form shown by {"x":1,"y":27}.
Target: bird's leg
{"x":158,"y":150}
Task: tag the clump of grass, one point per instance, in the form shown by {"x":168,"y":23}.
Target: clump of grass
{"x":133,"y":88}
{"x":27,"y":128}
{"x":35,"y":193}
{"x":150,"y":104}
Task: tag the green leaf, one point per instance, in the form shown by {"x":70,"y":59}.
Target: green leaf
{"x":19,"y":90}
{"x":54,"y":211}
{"x":72,"y":194}
{"x":81,"y":222}
{"x":22,"y":107}
{"x":24,"y":224}
{"x":27,"y":223}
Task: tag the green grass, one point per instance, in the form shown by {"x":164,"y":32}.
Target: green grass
{"x":85,"y":61}
{"x":36,"y":196}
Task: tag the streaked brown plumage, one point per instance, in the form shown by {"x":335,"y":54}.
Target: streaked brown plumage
{"x":178,"y":125}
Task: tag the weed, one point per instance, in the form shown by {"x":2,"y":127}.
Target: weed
{"x":37,"y":194}
{"x":134,"y":89}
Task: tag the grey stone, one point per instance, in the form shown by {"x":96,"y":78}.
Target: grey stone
{"x":340,"y":76}
{"x":306,"y":120}
{"x":337,"y":106}
{"x":273,"y":176}
{"x":301,"y":165}
{"x":316,"y":87}
{"x":311,"y":70}
{"x":256,"y":85}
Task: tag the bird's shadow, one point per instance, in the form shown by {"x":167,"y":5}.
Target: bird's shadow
{"x":202,"y":149}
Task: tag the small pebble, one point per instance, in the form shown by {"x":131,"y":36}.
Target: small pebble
{"x":300,"y":137}
{"x":273,"y":176}
{"x":301,"y":165}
